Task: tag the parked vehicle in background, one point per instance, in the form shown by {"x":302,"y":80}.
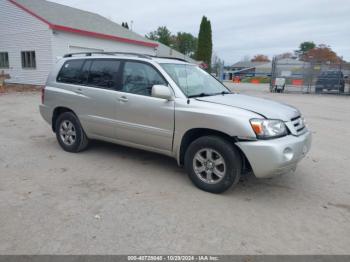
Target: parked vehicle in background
{"x":330,"y":80}
{"x":279,"y":85}
{"x":173,"y":108}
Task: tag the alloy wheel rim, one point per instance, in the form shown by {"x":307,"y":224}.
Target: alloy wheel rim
{"x":209,"y":166}
{"x":68,"y":133}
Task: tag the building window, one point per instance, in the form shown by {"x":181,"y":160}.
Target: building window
{"x":4,"y":60}
{"x":28,"y":59}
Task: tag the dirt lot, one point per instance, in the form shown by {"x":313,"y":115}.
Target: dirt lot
{"x":115,"y":200}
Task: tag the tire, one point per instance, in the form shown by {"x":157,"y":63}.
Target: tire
{"x":68,"y":125}
{"x":221,"y":149}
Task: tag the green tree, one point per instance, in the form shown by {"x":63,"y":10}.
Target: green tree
{"x":162,"y":35}
{"x":305,"y":47}
{"x":205,"y":43}
{"x":185,"y":43}
{"x":125,"y":25}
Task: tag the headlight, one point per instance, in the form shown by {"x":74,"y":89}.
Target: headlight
{"x":265,"y":128}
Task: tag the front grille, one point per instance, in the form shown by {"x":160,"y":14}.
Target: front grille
{"x":298,"y":125}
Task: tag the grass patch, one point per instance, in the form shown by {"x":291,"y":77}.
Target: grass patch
{"x":260,"y":79}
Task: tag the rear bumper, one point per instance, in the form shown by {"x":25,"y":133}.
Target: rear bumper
{"x":46,"y":113}
{"x":269,"y":158}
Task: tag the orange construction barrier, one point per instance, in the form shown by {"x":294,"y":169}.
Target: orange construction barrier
{"x":255,"y":81}
{"x":236,"y":79}
{"x":297,"y":82}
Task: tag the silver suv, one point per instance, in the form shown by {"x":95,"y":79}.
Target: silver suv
{"x":174,"y":108}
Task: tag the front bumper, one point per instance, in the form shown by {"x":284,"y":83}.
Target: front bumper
{"x":273,"y":157}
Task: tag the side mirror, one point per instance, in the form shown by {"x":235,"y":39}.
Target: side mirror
{"x":162,"y":91}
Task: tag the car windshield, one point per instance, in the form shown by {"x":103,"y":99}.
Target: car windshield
{"x":331,"y":74}
{"x":193,"y":81}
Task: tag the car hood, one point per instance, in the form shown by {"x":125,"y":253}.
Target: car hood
{"x":266,"y":108}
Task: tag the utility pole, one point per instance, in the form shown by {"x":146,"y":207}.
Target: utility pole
{"x":273,"y":72}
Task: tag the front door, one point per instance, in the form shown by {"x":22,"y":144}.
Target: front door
{"x":143,"y":119}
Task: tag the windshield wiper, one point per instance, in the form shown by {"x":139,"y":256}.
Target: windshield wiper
{"x":225,"y":93}
{"x":200,"y":95}
{"x":210,"y":94}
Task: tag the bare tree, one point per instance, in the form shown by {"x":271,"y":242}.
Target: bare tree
{"x":260,"y":58}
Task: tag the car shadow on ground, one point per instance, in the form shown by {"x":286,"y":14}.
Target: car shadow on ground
{"x":247,"y":185}
{"x":140,"y":156}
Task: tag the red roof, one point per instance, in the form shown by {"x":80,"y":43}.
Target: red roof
{"x":133,"y":39}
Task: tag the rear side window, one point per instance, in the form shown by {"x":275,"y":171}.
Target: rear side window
{"x":104,"y":74}
{"x":70,"y":72}
{"x":84,"y":73}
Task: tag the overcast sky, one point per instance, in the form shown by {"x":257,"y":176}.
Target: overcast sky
{"x":240,"y":28}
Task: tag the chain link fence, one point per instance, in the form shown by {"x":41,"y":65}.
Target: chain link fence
{"x":310,"y":77}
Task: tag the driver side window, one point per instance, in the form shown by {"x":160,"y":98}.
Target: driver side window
{"x":139,"y":78}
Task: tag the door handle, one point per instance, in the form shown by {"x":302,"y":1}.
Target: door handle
{"x":123,"y":99}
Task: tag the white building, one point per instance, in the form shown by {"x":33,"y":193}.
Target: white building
{"x":34,"y":33}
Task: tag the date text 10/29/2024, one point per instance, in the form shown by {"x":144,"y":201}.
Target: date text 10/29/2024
{"x":173,"y":258}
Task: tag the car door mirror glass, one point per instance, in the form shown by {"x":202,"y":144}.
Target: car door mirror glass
{"x":161,"y":91}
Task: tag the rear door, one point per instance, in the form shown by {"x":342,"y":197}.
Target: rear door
{"x":141,"y":118}
{"x":102,"y":78}
{"x":91,"y":84}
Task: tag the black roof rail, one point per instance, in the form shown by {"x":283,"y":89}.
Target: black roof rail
{"x":124,"y":53}
{"x":169,"y":57}
{"x":107,"y":53}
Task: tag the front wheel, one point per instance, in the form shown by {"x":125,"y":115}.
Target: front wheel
{"x":213,"y":164}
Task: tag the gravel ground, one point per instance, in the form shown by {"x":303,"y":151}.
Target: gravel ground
{"x":115,"y":200}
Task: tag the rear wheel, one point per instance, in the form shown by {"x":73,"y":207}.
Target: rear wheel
{"x":213,"y":164}
{"x":70,"y":134}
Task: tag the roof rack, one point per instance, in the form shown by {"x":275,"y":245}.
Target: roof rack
{"x":168,"y":57}
{"x":123,"y":53}
{"x":107,"y":53}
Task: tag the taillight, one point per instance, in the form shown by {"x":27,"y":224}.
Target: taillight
{"x":42,"y":95}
